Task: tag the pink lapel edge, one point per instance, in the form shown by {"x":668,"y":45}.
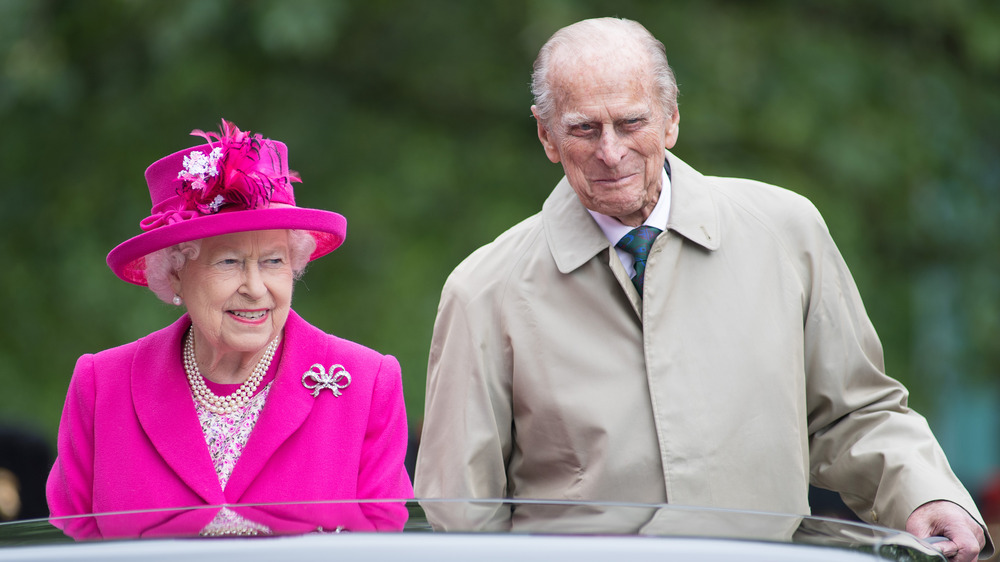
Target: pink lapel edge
{"x":287,"y":407}
{"x":165,"y":409}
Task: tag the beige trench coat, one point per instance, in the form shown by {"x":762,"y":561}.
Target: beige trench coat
{"x":749,"y":370}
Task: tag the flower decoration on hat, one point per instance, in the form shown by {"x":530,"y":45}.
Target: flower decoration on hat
{"x":236,"y":182}
{"x":241,"y":171}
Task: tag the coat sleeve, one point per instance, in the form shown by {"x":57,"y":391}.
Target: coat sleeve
{"x":382,"y":474}
{"x":865,"y":442}
{"x":466,"y":439}
{"x":70,"y":486}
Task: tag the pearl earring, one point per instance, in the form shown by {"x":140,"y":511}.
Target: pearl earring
{"x":177,"y":300}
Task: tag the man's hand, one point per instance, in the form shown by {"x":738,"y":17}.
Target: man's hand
{"x":946,"y":519}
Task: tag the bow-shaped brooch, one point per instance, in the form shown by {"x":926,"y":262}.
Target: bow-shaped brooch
{"x":336,"y":379}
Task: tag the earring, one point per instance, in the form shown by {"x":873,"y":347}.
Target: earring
{"x":177,"y":300}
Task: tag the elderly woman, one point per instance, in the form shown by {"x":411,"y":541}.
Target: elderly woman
{"x":240,"y":400}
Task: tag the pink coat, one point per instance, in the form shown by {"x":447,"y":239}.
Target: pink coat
{"x":130,"y":437}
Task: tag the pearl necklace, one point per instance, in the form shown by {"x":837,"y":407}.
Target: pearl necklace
{"x":224,"y":404}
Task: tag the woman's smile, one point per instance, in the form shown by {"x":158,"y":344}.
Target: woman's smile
{"x":250,"y":316}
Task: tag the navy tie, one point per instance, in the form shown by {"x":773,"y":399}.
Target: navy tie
{"x":637,"y":242}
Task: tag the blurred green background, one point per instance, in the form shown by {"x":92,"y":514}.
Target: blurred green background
{"x":412,"y":119}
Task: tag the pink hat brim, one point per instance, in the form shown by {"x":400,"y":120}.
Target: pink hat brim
{"x":128,"y":261}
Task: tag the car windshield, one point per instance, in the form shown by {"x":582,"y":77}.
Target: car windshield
{"x":460,"y":526}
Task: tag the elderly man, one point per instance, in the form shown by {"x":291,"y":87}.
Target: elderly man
{"x":656,"y":335}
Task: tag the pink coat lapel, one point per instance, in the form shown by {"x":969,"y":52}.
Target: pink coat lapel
{"x":166,"y":411}
{"x":287,"y":407}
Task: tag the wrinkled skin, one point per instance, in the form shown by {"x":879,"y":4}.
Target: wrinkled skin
{"x":238,"y":292}
{"x":609,"y":130}
{"x":946,"y":519}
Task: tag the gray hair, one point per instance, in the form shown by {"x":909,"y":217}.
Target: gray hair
{"x":162,"y":263}
{"x":583,"y":32}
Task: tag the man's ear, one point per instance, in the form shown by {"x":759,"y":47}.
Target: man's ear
{"x":548,"y":143}
{"x":673,"y":130}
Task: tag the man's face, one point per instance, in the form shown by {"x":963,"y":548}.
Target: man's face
{"x":609,"y":131}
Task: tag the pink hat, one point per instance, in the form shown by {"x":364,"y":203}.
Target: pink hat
{"x":237,"y":183}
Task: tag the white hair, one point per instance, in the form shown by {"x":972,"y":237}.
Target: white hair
{"x":162,"y":263}
{"x":584,"y":33}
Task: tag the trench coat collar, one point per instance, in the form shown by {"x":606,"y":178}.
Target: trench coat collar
{"x":574,"y":237}
{"x":165,"y":409}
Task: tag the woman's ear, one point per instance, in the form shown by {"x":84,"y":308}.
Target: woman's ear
{"x":175,"y":282}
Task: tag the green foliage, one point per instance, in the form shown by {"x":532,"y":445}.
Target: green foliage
{"x":412,"y":119}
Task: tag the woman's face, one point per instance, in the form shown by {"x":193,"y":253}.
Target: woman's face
{"x":239,"y":290}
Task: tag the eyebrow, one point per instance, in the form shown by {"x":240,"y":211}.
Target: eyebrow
{"x":638,"y":114}
{"x":263,"y":250}
{"x":575,"y":118}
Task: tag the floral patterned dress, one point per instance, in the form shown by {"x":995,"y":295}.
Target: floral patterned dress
{"x":226,"y":436}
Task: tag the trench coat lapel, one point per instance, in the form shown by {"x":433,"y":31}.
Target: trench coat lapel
{"x":573,"y":235}
{"x":693,"y":213}
{"x":286,"y":409}
{"x":163,"y":405}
